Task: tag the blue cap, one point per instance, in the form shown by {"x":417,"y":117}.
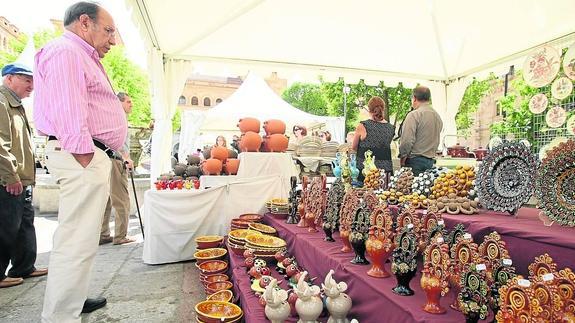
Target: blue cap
{"x":16,"y":68}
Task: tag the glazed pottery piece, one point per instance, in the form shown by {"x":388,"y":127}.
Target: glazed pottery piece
{"x":473,"y":296}
{"x":232,"y":166}
{"x":250,"y":142}
{"x":294,"y":200}
{"x":331,"y":215}
{"x":249,"y":124}
{"x":431,"y":285}
{"x":436,"y":264}
{"x":277,"y":308}
{"x":218,"y":311}
{"x":360,"y":226}
{"x":308,"y":305}
{"x":344,"y":235}
{"x":402,"y":288}
{"x":212,"y":166}
{"x":205,"y":242}
{"x":274,"y":126}
{"x":379,"y":245}
{"x":337,"y":302}
{"x":404,"y":264}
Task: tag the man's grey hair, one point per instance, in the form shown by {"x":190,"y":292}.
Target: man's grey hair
{"x":122,"y":96}
{"x":74,"y":12}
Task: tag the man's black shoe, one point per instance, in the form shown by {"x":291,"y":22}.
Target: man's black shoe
{"x":92,"y":304}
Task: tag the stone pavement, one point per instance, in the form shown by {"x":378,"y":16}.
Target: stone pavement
{"x":136,"y":292}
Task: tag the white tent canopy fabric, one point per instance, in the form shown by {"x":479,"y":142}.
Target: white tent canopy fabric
{"x":254,"y":98}
{"x":431,"y":42}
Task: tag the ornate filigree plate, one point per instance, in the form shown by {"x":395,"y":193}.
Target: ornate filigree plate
{"x":541,"y":66}
{"x":556,"y":117}
{"x":556,"y":184}
{"x":506,"y":177}
{"x":538,"y":103}
{"x":561,"y":88}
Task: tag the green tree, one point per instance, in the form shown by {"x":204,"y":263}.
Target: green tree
{"x":470,"y":103}
{"x":40,"y":39}
{"x":306,"y":97}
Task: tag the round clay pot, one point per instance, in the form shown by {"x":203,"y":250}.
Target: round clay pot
{"x":232,"y":153}
{"x":250,"y":141}
{"x":220,"y":153}
{"x":193,"y":170}
{"x":276,"y":143}
{"x":274,"y":126}
{"x":180,"y":169}
{"x":212,"y":166}
{"x":249,"y":124}
{"x":193,"y":160}
{"x":232,"y":166}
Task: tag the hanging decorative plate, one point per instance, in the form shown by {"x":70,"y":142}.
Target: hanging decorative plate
{"x":538,"y":103}
{"x":561,"y":88}
{"x":571,"y":125}
{"x":494,"y":142}
{"x":506,"y":177}
{"x":569,"y":62}
{"x":555,"y":185}
{"x":541,"y":66}
{"x":555,"y":117}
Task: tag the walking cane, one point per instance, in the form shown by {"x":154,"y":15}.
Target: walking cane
{"x":136,"y":199}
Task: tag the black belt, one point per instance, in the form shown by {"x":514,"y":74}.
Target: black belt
{"x":98,"y":144}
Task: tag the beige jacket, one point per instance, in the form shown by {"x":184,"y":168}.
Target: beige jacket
{"x":420,"y":133}
{"x":16,"y":156}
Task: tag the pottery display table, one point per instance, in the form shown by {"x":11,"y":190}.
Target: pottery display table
{"x":260,"y":164}
{"x":216,"y":180}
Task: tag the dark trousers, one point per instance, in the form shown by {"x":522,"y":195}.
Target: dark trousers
{"x":419,"y":164}
{"x":17,"y":233}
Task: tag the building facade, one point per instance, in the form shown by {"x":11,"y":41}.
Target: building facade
{"x":8,"y":32}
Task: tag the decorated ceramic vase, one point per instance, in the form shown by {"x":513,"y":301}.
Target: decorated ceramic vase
{"x":331,"y":214}
{"x":431,"y":285}
{"x":337,"y":302}
{"x":274,"y":126}
{"x":336,"y":168}
{"x":308,"y":305}
{"x":277,"y":308}
{"x":212,"y":166}
{"x":404,"y":264}
{"x":232,"y":166}
{"x":379,"y":245}
{"x":250,"y":141}
{"x":249,"y":124}
{"x":294,"y":197}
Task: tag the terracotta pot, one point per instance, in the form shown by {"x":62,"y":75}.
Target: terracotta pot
{"x":431,"y":285}
{"x":276,"y":143}
{"x":480,"y":153}
{"x":232,"y":166}
{"x":249,"y":124}
{"x":193,"y":160}
{"x":250,"y":141}
{"x":212,"y":166}
{"x":220,"y":153}
{"x":375,"y":249}
{"x":274,"y":126}
{"x":344,"y":234}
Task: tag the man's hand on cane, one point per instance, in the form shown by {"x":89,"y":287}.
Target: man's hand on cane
{"x":129,"y":164}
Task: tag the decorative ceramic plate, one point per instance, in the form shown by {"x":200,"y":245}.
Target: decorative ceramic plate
{"x":218,"y":310}
{"x":265,"y":241}
{"x":211,"y":253}
{"x":494,"y":142}
{"x":556,"y":184}
{"x":212,"y":267}
{"x":561,"y":88}
{"x":209,"y":239}
{"x":543,"y":152}
{"x":569,"y":62}
{"x":506,"y":177}
{"x":555,"y":117}
{"x":262,"y":228}
{"x":222,"y":296}
{"x":538,"y":103}
{"x":240,"y":234}
{"x":541,"y":66}
{"x":571,"y":125}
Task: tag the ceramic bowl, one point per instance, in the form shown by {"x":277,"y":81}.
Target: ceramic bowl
{"x":240,"y":223}
{"x":211,"y":267}
{"x":217,"y":286}
{"x":265,"y":241}
{"x":214,"y":278}
{"x":237,"y":249}
{"x":210,"y":254}
{"x":224,"y":295}
{"x":266,"y":229}
{"x":217,"y":311}
{"x":205,"y":242}
{"x":240,"y":234}
{"x":252,"y":217}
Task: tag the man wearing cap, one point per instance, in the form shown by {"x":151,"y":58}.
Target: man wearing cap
{"x":17,"y":174}
{"x":77,"y":108}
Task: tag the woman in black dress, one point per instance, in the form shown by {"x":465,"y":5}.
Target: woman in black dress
{"x":374,"y":134}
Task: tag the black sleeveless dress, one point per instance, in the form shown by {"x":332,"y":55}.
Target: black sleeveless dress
{"x":378,"y":139}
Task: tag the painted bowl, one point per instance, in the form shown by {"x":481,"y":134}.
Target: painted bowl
{"x":266,"y":229}
{"x":239,"y":223}
{"x":224,"y":295}
{"x":205,"y":242}
{"x":214,"y":287}
{"x":265,"y":241}
{"x":240,"y":234}
{"x":252,"y":217}
{"x":237,"y":249}
{"x":215,"y":278}
{"x":211,"y":267}
{"x":217,"y":311}
{"x":210,"y":254}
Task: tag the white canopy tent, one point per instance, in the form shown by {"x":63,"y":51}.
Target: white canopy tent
{"x":254,"y":98}
{"x":438,"y":43}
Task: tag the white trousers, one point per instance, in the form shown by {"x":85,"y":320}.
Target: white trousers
{"x":83,"y":196}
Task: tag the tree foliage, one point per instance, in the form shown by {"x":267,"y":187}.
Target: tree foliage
{"x":470,"y":103}
{"x":306,"y":97}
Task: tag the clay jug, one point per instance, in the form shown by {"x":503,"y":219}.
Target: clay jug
{"x":277,"y":143}
{"x":249,"y":124}
{"x":232,"y":166}
{"x":193,"y":160}
{"x":220,"y":153}
{"x":274,"y":126}
{"x":250,"y":141}
{"x":212,"y":166}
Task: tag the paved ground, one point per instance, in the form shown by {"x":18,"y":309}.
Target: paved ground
{"x":136,"y":292}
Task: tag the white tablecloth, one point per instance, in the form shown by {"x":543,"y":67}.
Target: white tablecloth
{"x":173,"y":219}
{"x":313,"y":163}
{"x":216,"y":180}
{"x":261,"y":164}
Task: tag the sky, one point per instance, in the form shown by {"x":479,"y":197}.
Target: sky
{"x":32,"y":15}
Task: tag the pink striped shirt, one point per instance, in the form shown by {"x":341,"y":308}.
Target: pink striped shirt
{"x":74,"y":99}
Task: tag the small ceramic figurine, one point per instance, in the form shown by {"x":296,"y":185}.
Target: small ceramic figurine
{"x":277,"y":308}
{"x":308,"y":305}
{"x":338,"y":303}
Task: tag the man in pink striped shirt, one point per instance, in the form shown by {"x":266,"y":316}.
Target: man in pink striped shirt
{"x":77,"y":108}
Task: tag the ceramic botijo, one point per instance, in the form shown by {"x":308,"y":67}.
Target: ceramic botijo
{"x":277,"y":308}
{"x":309,"y":304}
{"x":435,"y":274}
{"x":404,"y":264}
{"x":360,"y":225}
{"x":337,"y":302}
{"x":250,"y":142}
{"x":249,"y":124}
{"x":274,"y":126}
{"x":379,"y":245}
